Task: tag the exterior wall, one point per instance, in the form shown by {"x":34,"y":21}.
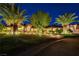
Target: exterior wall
{"x":28,"y":27}
{"x":74,"y":28}
{"x":54,"y":29}
{"x":77,"y":27}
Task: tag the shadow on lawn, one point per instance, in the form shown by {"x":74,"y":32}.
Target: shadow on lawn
{"x":10,"y":44}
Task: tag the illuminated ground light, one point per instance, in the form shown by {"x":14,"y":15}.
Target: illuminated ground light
{"x":32,"y":32}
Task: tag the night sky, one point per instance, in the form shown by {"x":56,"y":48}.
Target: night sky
{"x":53,"y":9}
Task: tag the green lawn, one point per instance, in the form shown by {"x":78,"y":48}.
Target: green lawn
{"x":9,"y":42}
{"x":70,"y":35}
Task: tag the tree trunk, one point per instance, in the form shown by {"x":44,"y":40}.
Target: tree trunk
{"x":15,"y":27}
{"x":40,"y":31}
{"x":65,"y":29}
{"x":24,"y":29}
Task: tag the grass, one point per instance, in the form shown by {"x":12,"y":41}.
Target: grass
{"x":10,"y":42}
{"x":70,"y":35}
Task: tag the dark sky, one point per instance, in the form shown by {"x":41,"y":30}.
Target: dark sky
{"x":53,"y":9}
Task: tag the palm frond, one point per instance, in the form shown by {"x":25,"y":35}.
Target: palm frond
{"x":66,"y":19}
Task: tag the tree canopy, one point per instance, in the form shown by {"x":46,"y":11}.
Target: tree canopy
{"x":12,"y":13}
{"x":66,"y":19}
{"x":40,"y":19}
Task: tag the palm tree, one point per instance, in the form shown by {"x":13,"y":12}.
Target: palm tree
{"x":12,"y":15}
{"x":65,"y":20}
{"x":40,"y":20}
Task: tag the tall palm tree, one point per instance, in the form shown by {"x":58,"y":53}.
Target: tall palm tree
{"x":65,"y":20}
{"x":40,"y":20}
{"x":12,"y":15}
